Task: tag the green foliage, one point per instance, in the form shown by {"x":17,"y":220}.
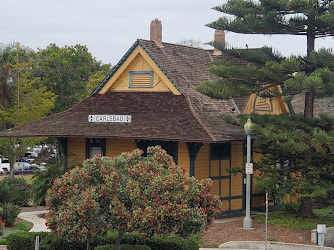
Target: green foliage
{"x":28,"y":101}
{"x":297,"y":154}
{"x":264,"y":74}
{"x":324,"y":212}
{"x":256,"y":56}
{"x":287,"y":219}
{"x":23,"y":225}
{"x":277,"y":17}
{"x":14,"y":191}
{"x":312,"y":74}
{"x":10,"y":54}
{"x":19,"y":191}
{"x":5,"y":192}
{"x":291,"y":208}
{"x":163,"y":243}
{"x":150,"y":195}
{"x":24,"y":240}
{"x":9,"y":213}
{"x":123,"y":247}
{"x":66,"y":71}
{"x":42,"y":180}
{"x":3,"y":242}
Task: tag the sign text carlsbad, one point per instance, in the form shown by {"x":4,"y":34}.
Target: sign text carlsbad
{"x":109,"y":118}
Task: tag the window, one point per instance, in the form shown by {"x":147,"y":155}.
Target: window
{"x":220,"y":151}
{"x":171,"y":147}
{"x":95,"y":146}
{"x":141,"y":79}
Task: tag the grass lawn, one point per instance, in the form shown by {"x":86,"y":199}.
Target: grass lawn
{"x":284,"y":219}
{"x":27,"y":177}
{"x":22,"y":226}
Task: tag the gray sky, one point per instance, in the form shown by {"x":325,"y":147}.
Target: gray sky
{"x":109,"y":28}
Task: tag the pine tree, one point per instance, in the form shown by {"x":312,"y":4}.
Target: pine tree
{"x":313,"y":19}
{"x":284,"y":167}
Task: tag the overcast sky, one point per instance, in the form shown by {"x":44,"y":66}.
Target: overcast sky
{"x":109,"y":28}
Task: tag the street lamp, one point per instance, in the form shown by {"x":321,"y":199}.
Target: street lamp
{"x":248,"y":223}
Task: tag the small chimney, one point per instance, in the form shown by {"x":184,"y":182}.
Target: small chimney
{"x":156,"y":32}
{"x":220,"y":36}
{"x":220,"y":40}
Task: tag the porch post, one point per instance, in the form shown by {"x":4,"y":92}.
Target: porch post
{"x":193,"y":149}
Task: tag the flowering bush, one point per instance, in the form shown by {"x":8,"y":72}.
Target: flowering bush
{"x":151,"y":195}
{"x":2,"y":226}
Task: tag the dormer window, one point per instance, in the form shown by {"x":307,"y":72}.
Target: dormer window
{"x":141,"y":79}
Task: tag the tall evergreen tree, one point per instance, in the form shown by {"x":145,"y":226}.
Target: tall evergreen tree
{"x":311,"y":18}
{"x":285,"y":167}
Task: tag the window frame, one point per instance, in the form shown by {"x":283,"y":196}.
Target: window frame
{"x":141,"y":72}
{"x":90,"y":144}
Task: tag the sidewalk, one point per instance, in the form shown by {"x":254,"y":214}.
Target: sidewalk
{"x":31,"y":215}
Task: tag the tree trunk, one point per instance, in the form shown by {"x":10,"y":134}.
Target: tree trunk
{"x":309,"y":95}
{"x":310,"y":41}
{"x":118,"y":240}
{"x":306,"y":207}
{"x":12,"y":160}
{"x":309,"y":104}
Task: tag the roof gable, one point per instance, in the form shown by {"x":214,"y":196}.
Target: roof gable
{"x":137,"y":60}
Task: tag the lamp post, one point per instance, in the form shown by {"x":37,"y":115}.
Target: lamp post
{"x":248,"y":223}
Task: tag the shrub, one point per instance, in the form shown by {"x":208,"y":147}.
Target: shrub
{"x":3,"y":242}
{"x":149,"y":195}
{"x":21,"y":240}
{"x":2,"y":225}
{"x":5,"y":192}
{"x":26,"y":240}
{"x":123,"y":247}
{"x":9,"y":213}
{"x":291,"y":208}
{"x":42,"y":180}
{"x":15,"y":191}
{"x":162,"y":243}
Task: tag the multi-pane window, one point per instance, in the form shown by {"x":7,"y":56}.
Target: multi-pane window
{"x":95,"y":146}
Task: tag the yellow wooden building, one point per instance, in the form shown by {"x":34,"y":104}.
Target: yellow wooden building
{"x":149,"y":99}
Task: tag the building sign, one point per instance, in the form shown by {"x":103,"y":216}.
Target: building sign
{"x":249,"y":168}
{"x":109,"y":118}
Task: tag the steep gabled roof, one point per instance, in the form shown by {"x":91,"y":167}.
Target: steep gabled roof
{"x":186,"y":67}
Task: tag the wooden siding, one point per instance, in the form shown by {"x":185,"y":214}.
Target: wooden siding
{"x":221,"y":187}
{"x":138,"y":60}
{"x":183,"y":156}
{"x":202,"y":162}
{"x":237,"y":153}
{"x":76,"y":150}
{"x":117,"y":146}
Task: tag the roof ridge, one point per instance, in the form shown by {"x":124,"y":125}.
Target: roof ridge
{"x":200,"y":121}
{"x":160,"y":67}
{"x":175,"y":44}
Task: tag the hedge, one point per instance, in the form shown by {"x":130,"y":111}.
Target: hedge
{"x":123,"y":247}
{"x":26,"y":241}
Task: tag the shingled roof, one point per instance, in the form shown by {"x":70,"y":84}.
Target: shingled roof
{"x":155,"y":116}
{"x":189,"y":117}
